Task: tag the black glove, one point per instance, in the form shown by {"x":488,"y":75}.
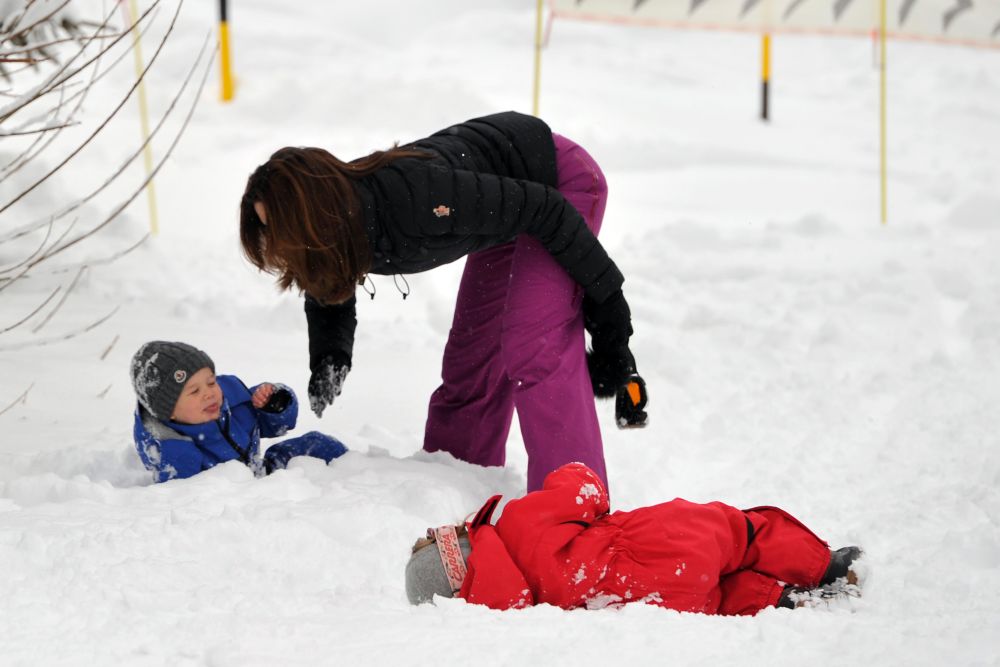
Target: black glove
{"x":609,"y":322}
{"x":326,"y":381}
{"x":610,"y":370}
{"x":331,"y":340}
{"x":610,"y":362}
{"x":278,"y":402}
{"x":629,"y":403}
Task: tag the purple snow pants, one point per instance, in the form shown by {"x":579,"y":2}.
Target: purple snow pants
{"x":517,"y":342}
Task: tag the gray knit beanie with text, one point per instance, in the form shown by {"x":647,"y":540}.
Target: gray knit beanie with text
{"x":160,"y":370}
{"x":425,"y":575}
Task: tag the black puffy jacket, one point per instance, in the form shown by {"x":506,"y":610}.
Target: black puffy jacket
{"x":489,"y":180}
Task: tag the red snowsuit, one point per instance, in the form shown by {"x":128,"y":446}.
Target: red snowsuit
{"x":560,"y":546}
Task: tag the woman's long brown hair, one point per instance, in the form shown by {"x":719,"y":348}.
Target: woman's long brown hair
{"x":315,"y":234}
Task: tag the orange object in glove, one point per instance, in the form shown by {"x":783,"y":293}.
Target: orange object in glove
{"x":630,"y":401}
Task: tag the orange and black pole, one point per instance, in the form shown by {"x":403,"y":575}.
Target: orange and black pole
{"x":225,"y":60}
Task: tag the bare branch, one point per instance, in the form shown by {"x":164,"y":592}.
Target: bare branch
{"x":7,"y":282}
{"x":48,"y":117}
{"x":24,"y":12}
{"x":145,"y":181}
{"x":4,"y":55}
{"x":23,"y":32}
{"x":128,"y":161}
{"x":66,"y":293}
{"x":23,"y":399}
{"x":41,"y":246}
{"x":27,"y":156}
{"x":40,"y":130}
{"x":107,"y":120}
{"x":29,"y":61}
{"x":48,"y":38}
{"x":32,"y":313}
{"x":107,"y":350}
{"x":27,"y":262}
{"x":24,"y":36}
{"x":57,"y":339}
{"x":98,"y":262}
{"x":54,"y":84}
{"x":54,"y":81}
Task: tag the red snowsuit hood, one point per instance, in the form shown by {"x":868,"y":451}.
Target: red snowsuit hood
{"x":493,"y":579}
{"x":571,"y":494}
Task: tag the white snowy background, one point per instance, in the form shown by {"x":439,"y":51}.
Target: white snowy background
{"x":797,"y":352}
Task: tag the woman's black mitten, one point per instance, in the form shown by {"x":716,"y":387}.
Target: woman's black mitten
{"x":327,"y":381}
{"x":609,"y":370}
{"x":609,"y":362}
{"x":609,"y":322}
{"x":630,"y":403}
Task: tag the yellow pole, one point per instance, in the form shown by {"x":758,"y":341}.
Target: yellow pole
{"x":225,"y":61}
{"x":882,"y":104}
{"x":765,"y":76}
{"x":538,"y":58}
{"x":147,"y":153}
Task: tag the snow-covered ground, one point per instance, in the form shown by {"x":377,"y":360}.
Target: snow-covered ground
{"x":797,"y":352}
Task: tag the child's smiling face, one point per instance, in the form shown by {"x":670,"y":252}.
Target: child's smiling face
{"x":200,"y":401}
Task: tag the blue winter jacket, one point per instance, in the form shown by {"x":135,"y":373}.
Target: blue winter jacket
{"x":173,"y":450}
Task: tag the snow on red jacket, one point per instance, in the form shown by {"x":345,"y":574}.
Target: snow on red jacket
{"x":560,"y":546}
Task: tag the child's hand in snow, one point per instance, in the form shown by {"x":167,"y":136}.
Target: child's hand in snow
{"x":262,"y":395}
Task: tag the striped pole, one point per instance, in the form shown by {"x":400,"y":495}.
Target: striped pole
{"x":225,"y":61}
{"x":765,"y":78}
{"x":538,"y":58}
{"x":883,"y":168}
{"x":132,"y":11}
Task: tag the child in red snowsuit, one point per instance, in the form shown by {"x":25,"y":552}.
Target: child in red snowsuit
{"x":561,"y":546}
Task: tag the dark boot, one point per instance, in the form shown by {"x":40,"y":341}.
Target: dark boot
{"x":840,"y":566}
{"x":789,"y":597}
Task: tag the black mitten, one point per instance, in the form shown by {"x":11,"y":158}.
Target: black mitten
{"x":609,"y":322}
{"x":326,"y":381}
{"x":279,"y":400}
{"x":609,"y":370}
{"x":331,"y":340}
{"x":630,"y":402}
{"x":610,"y":362}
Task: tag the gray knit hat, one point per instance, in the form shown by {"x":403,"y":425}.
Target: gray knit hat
{"x":425,"y":575}
{"x":159,"y":372}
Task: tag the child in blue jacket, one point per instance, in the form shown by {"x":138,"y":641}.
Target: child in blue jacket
{"x":189,"y":419}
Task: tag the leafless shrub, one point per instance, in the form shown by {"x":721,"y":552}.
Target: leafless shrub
{"x":51,"y":61}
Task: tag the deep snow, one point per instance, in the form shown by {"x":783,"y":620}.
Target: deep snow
{"x":797,"y":352}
